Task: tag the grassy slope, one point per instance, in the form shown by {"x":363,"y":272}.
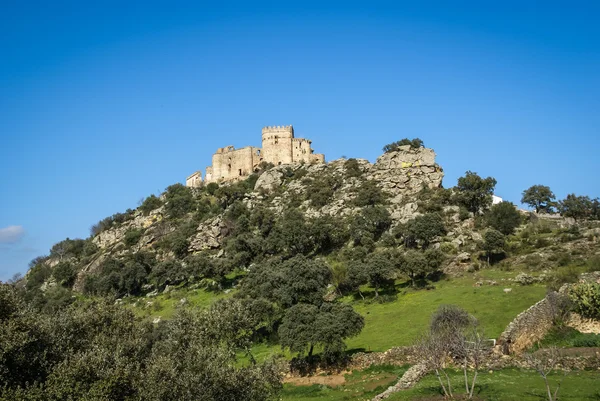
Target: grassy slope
{"x":503,"y":385}
{"x":400,"y":322}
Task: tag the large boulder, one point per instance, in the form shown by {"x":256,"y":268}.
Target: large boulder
{"x":407,"y":170}
{"x":210,"y":235}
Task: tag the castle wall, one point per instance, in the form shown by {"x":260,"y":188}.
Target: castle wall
{"x":230,"y":164}
{"x":278,"y":147}
{"x":194,"y":180}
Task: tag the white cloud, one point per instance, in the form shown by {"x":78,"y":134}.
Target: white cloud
{"x":11,"y":234}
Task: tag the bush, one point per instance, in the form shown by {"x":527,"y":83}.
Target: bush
{"x":413,"y":143}
{"x":68,"y":248}
{"x":432,"y":200}
{"x":319,"y":192}
{"x":352,"y":168}
{"x":369,"y":194}
{"x":180,"y":200}
{"x":564,"y":275}
{"x":110,"y":222}
{"x":593,"y":264}
{"x":504,"y":217}
{"x":586,"y":299}
{"x":150,"y":203}
{"x":64,"y":273}
{"x":132,"y":236}
{"x":424,"y":229}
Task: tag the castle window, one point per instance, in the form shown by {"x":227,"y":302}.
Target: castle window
{"x":240,"y":170}
{"x":258,"y":152}
{"x":229,"y":166}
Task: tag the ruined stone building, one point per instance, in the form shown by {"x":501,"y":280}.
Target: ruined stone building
{"x":279,"y":146}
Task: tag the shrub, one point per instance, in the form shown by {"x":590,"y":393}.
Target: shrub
{"x":65,"y":274}
{"x":369,"y":194}
{"x":564,"y":275}
{"x":352,"y":168}
{"x":111,"y":221}
{"x":212,"y":188}
{"x":68,"y":248}
{"x":504,"y":217}
{"x":150,"y":203}
{"x":180,"y":200}
{"x":533,"y":261}
{"x":586,"y":299}
{"x":593,"y":264}
{"x":132,"y":236}
{"x":320,"y":192}
{"x":424,"y":229}
{"x":413,"y":143}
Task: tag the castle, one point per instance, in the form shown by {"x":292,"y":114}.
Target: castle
{"x":279,"y":146}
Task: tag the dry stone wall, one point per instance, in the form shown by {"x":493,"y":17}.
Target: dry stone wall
{"x":527,"y":328}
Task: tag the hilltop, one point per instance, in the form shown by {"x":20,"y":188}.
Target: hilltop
{"x":308,"y":260}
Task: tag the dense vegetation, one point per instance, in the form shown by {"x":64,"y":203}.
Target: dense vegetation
{"x":285,"y":275}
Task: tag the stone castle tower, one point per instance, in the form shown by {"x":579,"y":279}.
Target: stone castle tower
{"x":279,"y":146}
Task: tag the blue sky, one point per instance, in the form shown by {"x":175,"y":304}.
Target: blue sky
{"x":102,"y":105}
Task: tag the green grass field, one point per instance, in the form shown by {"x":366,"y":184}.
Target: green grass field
{"x":395,"y":323}
{"x":503,"y":385}
{"x":400,"y":322}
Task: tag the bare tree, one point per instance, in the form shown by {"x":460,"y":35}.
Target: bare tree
{"x":454,"y":336}
{"x":473,"y":346}
{"x":432,"y":351}
{"x":546,"y":361}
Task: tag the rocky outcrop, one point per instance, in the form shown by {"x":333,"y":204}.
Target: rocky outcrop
{"x":269,"y":180}
{"x":210,"y":235}
{"x":407,"y":170}
{"x":113,"y":236}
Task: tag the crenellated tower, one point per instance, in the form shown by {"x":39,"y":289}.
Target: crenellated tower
{"x":279,"y":146}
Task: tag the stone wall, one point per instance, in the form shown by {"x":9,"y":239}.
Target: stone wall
{"x":230,"y":164}
{"x":194,"y":180}
{"x":527,"y":328}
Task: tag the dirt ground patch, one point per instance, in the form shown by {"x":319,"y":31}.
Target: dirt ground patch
{"x":330,"y":380}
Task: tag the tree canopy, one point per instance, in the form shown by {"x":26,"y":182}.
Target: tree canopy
{"x":539,"y":197}
{"x":474,"y":192}
{"x":503,"y":217}
{"x":413,"y":143}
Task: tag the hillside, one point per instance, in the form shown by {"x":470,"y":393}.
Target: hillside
{"x":319,"y":261}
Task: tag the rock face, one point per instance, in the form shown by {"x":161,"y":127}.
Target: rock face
{"x":407,"y":170}
{"x":400,"y":174}
{"x":269,"y":180}
{"x":112,"y":236}
{"x":209,"y":235}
